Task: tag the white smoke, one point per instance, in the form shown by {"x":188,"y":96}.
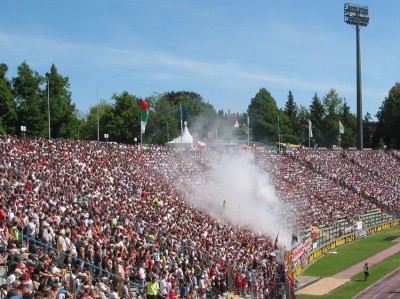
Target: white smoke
{"x":241,"y":194}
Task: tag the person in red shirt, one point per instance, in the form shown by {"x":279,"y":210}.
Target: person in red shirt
{"x":238,"y":283}
{"x":213,"y":272}
{"x":3,"y":214}
{"x":244,"y":285}
{"x":172,"y":292}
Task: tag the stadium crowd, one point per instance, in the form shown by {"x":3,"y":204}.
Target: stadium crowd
{"x":118,"y":214}
{"x":114,"y":207}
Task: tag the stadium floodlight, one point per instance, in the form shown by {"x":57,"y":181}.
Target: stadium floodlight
{"x":357,"y":15}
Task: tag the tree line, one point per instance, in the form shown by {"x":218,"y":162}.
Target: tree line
{"x":30,"y":100}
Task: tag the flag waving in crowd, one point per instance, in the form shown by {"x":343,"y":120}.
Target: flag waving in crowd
{"x":144,"y":114}
{"x":341,"y":128}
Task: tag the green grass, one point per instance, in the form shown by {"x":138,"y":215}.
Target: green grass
{"x":352,"y":254}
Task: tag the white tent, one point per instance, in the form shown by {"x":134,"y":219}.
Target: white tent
{"x":186,"y":140}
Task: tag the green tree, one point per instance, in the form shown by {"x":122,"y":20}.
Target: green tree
{"x":96,"y":120}
{"x":369,"y":127}
{"x":333,"y":105}
{"x":165,"y":120}
{"x":349,"y":122}
{"x":82,"y":121}
{"x":317,"y":115}
{"x":291,"y":111}
{"x":303,"y":117}
{"x":263,"y":113}
{"x":242,"y":132}
{"x":63,"y":114}
{"x":8,"y":114}
{"x":124,"y":121}
{"x":389,"y":119}
{"x":201,"y":117}
{"x":29,"y":100}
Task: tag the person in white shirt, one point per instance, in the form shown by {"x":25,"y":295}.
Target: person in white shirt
{"x":62,"y":247}
{"x":103,"y":288}
{"x":13,"y":277}
{"x":114,"y":294}
{"x":164,"y":286}
{"x":142,"y":277}
{"x":31,"y":233}
{"x":46,"y":235}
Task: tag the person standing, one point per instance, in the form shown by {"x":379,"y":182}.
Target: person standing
{"x":31,"y":233}
{"x":62,"y":247}
{"x":152,"y":288}
{"x":366,"y":271}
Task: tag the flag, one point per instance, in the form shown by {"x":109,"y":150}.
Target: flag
{"x":248,"y":121}
{"x":181,"y":114}
{"x":309,"y":128}
{"x":144,"y":114}
{"x":341,"y":128}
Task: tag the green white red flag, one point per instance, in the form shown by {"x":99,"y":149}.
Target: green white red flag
{"x":144,"y":114}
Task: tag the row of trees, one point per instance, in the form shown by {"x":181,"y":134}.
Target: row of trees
{"x":25,"y":101}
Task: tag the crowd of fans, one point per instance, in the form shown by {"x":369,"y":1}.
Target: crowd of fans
{"x":117,"y":214}
{"x":115,"y":207}
{"x":372,"y":174}
{"x":316,"y":197}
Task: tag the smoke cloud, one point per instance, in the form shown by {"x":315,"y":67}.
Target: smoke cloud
{"x":241,"y":194}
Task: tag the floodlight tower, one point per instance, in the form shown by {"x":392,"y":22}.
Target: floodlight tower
{"x":357,"y":15}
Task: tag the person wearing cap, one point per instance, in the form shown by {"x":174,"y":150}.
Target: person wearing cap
{"x":152,"y":288}
{"x":17,"y":261}
{"x":32,"y":260}
{"x":14,"y":276}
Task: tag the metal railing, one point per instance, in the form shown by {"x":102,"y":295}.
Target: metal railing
{"x":112,"y":279}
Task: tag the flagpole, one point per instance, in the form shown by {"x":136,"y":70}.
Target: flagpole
{"x":48,"y":104}
{"x":181,"y":114}
{"x":140,"y":128}
{"x":279,"y":137}
{"x":216,"y":132}
{"x":248,"y":129}
{"x":98,"y":120}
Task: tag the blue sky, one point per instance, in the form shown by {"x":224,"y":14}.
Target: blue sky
{"x":224,"y":50}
